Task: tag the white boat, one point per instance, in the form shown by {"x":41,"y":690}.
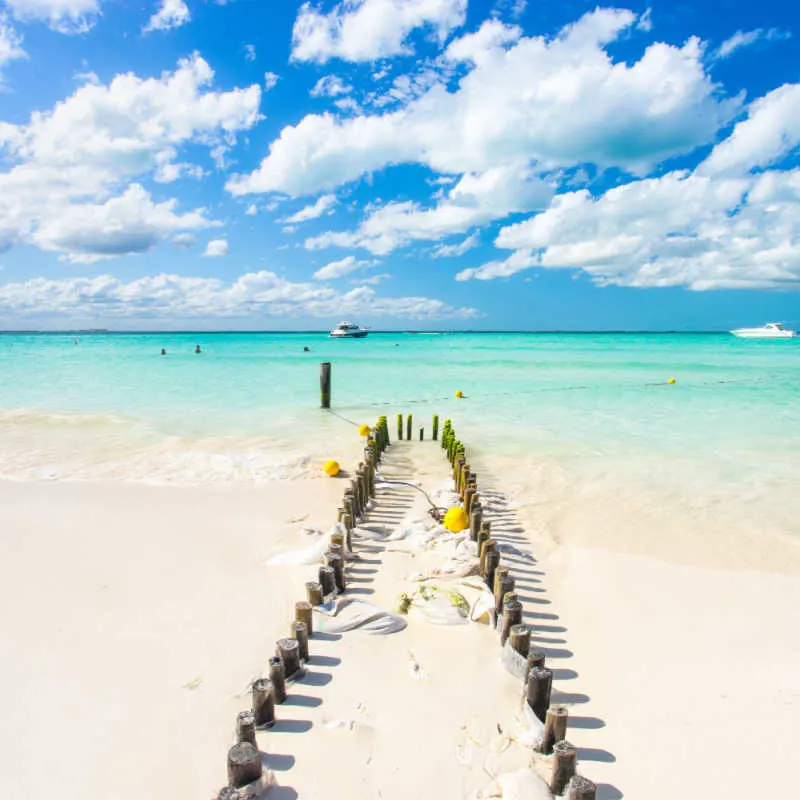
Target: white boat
{"x":772,"y":330}
{"x":347,"y":330}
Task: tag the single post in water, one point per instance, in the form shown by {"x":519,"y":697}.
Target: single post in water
{"x":325,"y":384}
{"x":435,"y":427}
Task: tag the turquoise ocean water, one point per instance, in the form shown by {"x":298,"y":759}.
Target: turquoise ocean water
{"x":247,"y":407}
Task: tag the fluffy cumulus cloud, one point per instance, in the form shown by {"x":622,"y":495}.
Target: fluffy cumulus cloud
{"x":338,"y":269}
{"x":10,"y":43}
{"x":730,"y":223}
{"x":171,"y":14}
{"x":73,"y":166}
{"x":323,"y":205}
{"x":330,"y":86}
{"x":270,"y":80}
{"x":476,"y":199}
{"x":366,"y":30}
{"x":217,"y":247}
{"x":65,"y":16}
{"x":106,"y":297}
{"x":457,"y":249}
{"x":517,"y":103}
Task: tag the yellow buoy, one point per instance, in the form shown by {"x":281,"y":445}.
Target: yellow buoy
{"x":364,"y":430}
{"x":671,"y":380}
{"x":331,"y":468}
{"x":459,"y":393}
{"x":455,"y":520}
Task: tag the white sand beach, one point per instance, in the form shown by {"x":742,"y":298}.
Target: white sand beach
{"x":135,"y":617}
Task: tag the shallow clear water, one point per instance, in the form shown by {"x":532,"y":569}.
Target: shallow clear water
{"x":247,"y":407}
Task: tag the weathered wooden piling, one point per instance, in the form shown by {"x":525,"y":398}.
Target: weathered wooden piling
{"x":334,"y":560}
{"x":503,"y":586}
{"x":347,"y":521}
{"x":475,"y":519}
{"x":244,"y":765}
{"x":555,"y":728}
{"x":327,"y":580}
{"x":421,"y":434}
{"x":435,"y":428}
{"x":564,"y":763}
{"x":229,"y":793}
{"x":246,"y":727}
{"x":303,"y":612}
{"x":408,"y":426}
{"x":399,"y":426}
{"x":537,"y":691}
{"x":263,"y":703}
{"x":536,"y":658}
{"x":325,"y":384}
{"x":486,"y":547}
{"x":581,"y":788}
{"x":277,"y":678}
{"x":500,"y":572}
{"x":490,"y":564}
{"x":300,"y":632}
{"x":314,"y":593}
{"x":520,"y":639}
{"x":512,"y":615}
{"x":288,"y":650}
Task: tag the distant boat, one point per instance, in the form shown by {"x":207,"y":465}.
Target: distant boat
{"x":347,"y":330}
{"x":772,"y":330}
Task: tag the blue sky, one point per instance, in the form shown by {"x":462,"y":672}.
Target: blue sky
{"x":474,"y":164}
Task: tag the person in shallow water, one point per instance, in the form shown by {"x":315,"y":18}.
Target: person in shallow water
{"x":197,"y":349}
{"x":163,"y":351}
{"x":306,"y":349}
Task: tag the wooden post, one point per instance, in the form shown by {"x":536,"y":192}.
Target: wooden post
{"x":300,"y":632}
{"x":421,"y":434}
{"x":244,"y":765}
{"x":503,"y":587}
{"x":246,"y":727}
{"x":581,"y":788}
{"x":512,"y":615}
{"x":327,"y":580}
{"x":277,"y":678}
{"x":500,"y":572}
{"x":475,"y":519}
{"x":335,"y":561}
{"x":347,"y":521}
{"x":520,"y":639}
{"x":399,"y":426}
{"x":314,"y":593}
{"x":408,"y":427}
{"x":303,"y":612}
{"x":263,"y":703}
{"x":537,"y":690}
{"x":288,"y":650}
{"x":229,"y":793}
{"x":488,"y":546}
{"x":486,"y":525}
{"x":535,"y":659}
{"x":325,"y":384}
{"x":435,"y":427}
{"x":555,"y":728}
{"x":490,"y":566}
{"x":469,"y":495}
{"x":564,"y":763}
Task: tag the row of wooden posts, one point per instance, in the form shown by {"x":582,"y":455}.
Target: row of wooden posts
{"x":538,"y":679}
{"x":245,"y":770}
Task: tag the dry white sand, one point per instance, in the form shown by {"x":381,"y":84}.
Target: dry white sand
{"x":135,"y":617}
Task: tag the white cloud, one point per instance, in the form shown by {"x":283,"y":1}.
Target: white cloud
{"x":374,"y":280}
{"x":742,"y":39}
{"x":514,"y":8}
{"x":338,"y":269}
{"x":770,"y":132}
{"x":450,"y":250}
{"x":64,"y":16}
{"x":87,"y":149}
{"x":476,"y":47}
{"x":330,"y":86}
{"x":476,"y":199}
{"x":252,"y":210}
{"x":10,"y":43}
{"x":249,"y":52}
{"x":217,"y":247}
{"x":366,"y":30}
{"x":270,"y":80}
{"x":172,"y":14}
{"x":681,"y":229}
{"x":183,"y":241}
{"x":322,"y":206}
{"x":130,"y":223}
{"x":518,"y":105}
{"x":170,"y":297}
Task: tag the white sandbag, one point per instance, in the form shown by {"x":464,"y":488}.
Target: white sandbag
{"x":440,"y":609}
{"x":480,"y":598}
{"x":312,"y":554}
{"x":532,"y":733}
{"x":342,"y":614}
{"x":512,"y":661}
{"x":523,"y":785}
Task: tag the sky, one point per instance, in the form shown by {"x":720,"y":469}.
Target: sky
{"x":407,"y":164}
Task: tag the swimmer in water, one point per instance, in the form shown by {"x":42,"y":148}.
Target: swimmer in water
{"x":197,"y":349}
{"x":163,"y":351}
{"x":306,"y":350}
